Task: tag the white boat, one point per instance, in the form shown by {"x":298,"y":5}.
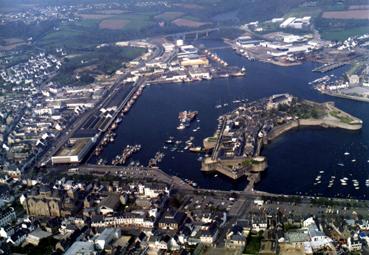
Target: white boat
{"x":340,"y":164}
{"x":347,"y":153}
{"x":181,"y":126}
{"x":218,"y":106}
{"x":354,"y":160}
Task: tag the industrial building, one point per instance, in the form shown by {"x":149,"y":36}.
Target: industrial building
{"x":76,"y":149}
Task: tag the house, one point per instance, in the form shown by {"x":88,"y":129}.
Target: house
{"x":209,"y":234}
{"x":171,"y":220}
{"x":153,"y":190}
{"x":18,"y":237}
{"x":109,"y":204}
{"x":235,"y":237}
{"x":7,"y":215}
{"x":36,"y":236}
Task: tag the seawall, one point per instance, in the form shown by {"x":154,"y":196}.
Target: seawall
{"x":340,"y":95}
{"x":326,"y":123}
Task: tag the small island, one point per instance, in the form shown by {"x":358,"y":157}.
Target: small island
{"x":237,"y":143}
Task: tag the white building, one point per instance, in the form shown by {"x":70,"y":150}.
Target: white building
{"x":81,"y":248}
{"x":106,"y":237}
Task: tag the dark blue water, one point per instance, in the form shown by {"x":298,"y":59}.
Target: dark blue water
{"x":294,"y":159}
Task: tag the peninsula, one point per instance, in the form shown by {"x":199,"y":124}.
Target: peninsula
{"x":237,"y":143}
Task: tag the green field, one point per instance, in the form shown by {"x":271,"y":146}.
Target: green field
{"x":343,"y":34}
{"x":105,"y":60}
{"x":304,"y":11}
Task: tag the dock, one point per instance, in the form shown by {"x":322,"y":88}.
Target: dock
{"x":328,"y":67}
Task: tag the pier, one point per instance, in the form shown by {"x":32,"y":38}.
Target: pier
{"x":329,"y":67}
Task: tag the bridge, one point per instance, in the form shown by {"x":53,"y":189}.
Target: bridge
{"x":196,"y":33}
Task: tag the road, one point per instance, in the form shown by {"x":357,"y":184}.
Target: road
{"x":216,"y":148}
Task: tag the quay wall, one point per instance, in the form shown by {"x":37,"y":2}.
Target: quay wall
{"x":280,"y":130}
{"x":356,"y":98}
{"x":326,"y":123}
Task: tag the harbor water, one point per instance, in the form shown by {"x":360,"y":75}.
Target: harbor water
{"x":296,"y":160}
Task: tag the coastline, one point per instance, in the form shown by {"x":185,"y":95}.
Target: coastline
{"x":251,"y":167}
{"x":340,"y":95}
{"x":281,"y":130}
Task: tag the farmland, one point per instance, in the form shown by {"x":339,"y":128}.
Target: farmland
{"x":348,"y":14}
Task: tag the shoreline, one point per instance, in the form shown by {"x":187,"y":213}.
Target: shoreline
{"x":253,"y":166}
{"x":340,"y":95}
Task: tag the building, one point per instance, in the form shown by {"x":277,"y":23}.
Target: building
{"x":199,"y":74}
{"x":125,"y":220}
{"x":354,"y":243}
{"x":109,"y":204}
{"x":171,"y":220}
{"x":7,"y":216}
{"x":276,"y":100}
{"x":353,"y":79}
{"x":198,"y":61}
{"x":43,"y":201}
{"x":153,"y":190}
{"x":106,"y":237}
{"x":81,"y":248}
{"x":76,"y":149}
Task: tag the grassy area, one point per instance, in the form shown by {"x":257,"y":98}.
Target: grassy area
{"x":105,"y":60}
{"x":343,"y":34}
{"x":343,"y":118}
{"x":253,"y":244}
{"x":169,"y":16}
{"x":300,"y":11}
{"x":304,"y":110}
{"x":356,"y":67}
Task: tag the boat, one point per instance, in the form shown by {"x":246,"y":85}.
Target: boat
{"x":241,"y":72}
{"x":181,"y":126}
{"x":218,"y":106}
{"x":340,"y":164}
{"x":195,"y":149}
{"x":346,"y":153}
{"x":353,"y":160}
{"x":187,"y":116}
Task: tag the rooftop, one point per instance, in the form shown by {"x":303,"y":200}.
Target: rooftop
{"x":73,"y":149}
